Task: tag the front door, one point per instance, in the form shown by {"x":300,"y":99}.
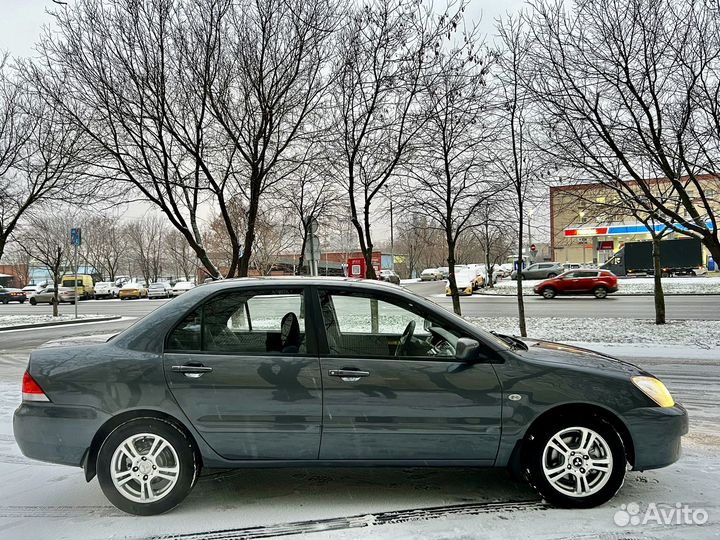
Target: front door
{"x":392,"y":390}
{"x":247,"y":375}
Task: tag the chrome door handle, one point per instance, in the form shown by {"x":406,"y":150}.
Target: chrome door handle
{"x":191,"y":371}
{"x":348,"y":375}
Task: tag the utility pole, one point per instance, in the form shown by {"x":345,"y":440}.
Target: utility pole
{"x":392,"y":237}
{"x":75,"y":240}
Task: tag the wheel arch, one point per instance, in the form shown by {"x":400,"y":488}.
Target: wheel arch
{"x":571,"y":410}
{"x":89,"y":462}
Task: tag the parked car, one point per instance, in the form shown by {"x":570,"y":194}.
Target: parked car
{"x":431,"y":274}
{"x":65,"y":295}
{"x":132,"y":289}
{"x":353,"y":373}
{"x":106,"y":289}
{"x":32,"y":290}
{"x":465,"y":281}
{"x":599,"y":283}
{"x":571,"y":266}
{"x":542,"y":270}
{"x":445,"y":271}
{"x":85,"y":286}
{"x":389,"y":276}
{"x":159,"y":289}
{"x":9,"y":294}
{"x":182,"y":287}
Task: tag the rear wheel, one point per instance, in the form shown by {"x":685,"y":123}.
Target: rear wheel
{"x":600,"y":292}
{"x":147,"y":466}
{"x":576,"y":463}
{"x":551,"y":275}
{"x":548,"y":293}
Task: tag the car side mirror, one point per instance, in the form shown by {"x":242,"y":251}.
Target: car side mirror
{"x":467,"y":350}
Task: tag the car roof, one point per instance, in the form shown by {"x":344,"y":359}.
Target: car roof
{"x":299,"y":281}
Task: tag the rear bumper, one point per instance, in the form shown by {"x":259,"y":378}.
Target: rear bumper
{"x":656,"y":433}
{"x":55,"y":433}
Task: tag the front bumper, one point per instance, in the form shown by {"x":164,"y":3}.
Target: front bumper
{"x":55,"y":433}
{"x":656,"y":433}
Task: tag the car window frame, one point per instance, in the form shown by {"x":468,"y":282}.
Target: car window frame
{"x":311,"y":330}
{"x":488,"y":352}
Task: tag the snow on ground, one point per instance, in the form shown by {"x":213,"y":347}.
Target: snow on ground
{"x":697,"y":334}
{"x":627,"y":286}
{"x":8,"y":321}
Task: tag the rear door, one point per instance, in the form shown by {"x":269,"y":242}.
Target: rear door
{"x":244,"y":368}
{"x":587,"y":280}
{"x":389,"y":399}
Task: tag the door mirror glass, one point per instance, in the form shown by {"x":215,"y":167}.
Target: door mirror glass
{"x":467,"y":350}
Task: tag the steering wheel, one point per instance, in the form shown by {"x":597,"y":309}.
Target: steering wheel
{"x":405,"y":339}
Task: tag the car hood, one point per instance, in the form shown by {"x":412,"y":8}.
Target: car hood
{"x":567,"y":355}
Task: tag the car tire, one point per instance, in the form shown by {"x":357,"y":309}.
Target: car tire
{"x":551,"y":275}
{"x":548,"y":293}
{"x":147,"y":466}
{"x":5,"y":301}
{"x":600,"y":292}
{"x":570,"y":444}
{"x":22,"y":301}
{"x":33,"y":302}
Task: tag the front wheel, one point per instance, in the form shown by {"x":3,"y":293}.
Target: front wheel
{"x":33,"y":302}
{"x":577,"y":463}
{"x":548,"y":293}
{"x":146,"y":467}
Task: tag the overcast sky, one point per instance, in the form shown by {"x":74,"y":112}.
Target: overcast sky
{"x":21,"y":21}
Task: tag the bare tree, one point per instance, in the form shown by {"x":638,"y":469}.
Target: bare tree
{"x":270,"y":79}
{"x":39,"y":152}
{"x":515,"y":160}
{"x":146,"y":242}
{"x":142,"y":99}
{"x":628,"y":93}
{"x":274,"y":235}
{"x":105,"y":243}
{"x":385,"y":53}
{"x":493,"y":235}
{"x":46,"y":239}
{"x":446,"y":178}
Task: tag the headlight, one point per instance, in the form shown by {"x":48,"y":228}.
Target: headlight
{"x":655,"y":390}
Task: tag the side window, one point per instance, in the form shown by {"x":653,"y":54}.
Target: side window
{"x":252,"y":322}
{"x":359,"y":325}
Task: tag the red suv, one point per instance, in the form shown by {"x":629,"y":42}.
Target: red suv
{"x":597,"y":282}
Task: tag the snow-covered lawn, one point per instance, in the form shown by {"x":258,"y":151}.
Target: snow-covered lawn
{"x":702,"y":334}
{"x":627,"y":286}
{"x":8,"y":321}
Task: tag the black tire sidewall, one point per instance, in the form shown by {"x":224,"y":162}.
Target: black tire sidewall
{"x":550,"y":290}
{"x":185,"y":452}
{"x":597,"y":289}
{"x":534,"y":456}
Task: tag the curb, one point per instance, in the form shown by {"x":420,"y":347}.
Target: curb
{"x":59,"y":323}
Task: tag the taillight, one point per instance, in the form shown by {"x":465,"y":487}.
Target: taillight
{"x":31,"y":390}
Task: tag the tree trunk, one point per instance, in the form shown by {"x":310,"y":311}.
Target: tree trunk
{"x":520,"y":300}
{"x":710,"y":242}
{"x":488,"y":265}
{"x":249,"y":236}
{"x":657,"y":271}
{"x":451,"y":276}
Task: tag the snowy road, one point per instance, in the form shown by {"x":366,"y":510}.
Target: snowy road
{"x":42,"y":501}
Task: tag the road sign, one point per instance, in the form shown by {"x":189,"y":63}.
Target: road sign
{"x":75,"y":236}
{"x":313,"y":225}
{"x":312,"y":248}
{"x":533,"y":248}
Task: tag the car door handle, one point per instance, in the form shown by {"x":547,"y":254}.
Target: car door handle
{"x":349,"y":375}
{"x":192,"y":371}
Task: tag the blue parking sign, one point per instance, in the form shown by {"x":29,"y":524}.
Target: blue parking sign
{"x":75,"y":236}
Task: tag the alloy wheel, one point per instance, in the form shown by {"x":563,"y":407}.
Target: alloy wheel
{"x":577,"y":462}
{"x":144,"y":468}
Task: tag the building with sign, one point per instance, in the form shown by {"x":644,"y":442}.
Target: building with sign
{"x":587,"y":227}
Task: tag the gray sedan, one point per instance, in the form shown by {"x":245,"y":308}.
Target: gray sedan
{"x":540,"y":271}
{"x":330,"y":372}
